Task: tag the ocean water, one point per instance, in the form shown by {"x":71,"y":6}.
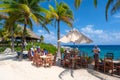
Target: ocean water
{"x":115,"y":49}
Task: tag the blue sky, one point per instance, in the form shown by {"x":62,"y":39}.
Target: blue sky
{"x":88,"y":20}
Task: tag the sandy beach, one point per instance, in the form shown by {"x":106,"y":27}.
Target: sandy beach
{"x":12,"y":69}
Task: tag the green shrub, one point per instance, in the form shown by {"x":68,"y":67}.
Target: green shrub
{"x":51,"y":48}
{"x":2,"y":49}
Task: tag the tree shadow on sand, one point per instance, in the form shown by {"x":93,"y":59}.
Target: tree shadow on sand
{"x":66,"y":71}
{"x":101,"y":76}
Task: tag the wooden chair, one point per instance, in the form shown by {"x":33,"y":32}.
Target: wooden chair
{"x":48,"y":60}
{"x":54,"y":60}
{"x":118,"y":70}
{"x":100,"y":66}
{"x":83,"y":58}
{"x":37,"y":61}
{"x":109,"y":55}
{"x":82,"y":61}
{"x":66,"y":62}
{"x":34,"y":58}
{"x":108,"y":65}
{"x":78,"y":62}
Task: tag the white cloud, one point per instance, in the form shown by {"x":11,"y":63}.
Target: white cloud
{"x":100,"y":36}
{"x":89,"y":29}
{"x":48,"y":37}
{"x":117,"y":16}
{"x":40,"y":31}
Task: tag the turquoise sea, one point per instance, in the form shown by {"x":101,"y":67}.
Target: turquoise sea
{"x":115,"y":49}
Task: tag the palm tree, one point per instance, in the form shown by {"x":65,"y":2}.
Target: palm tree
{"x":78,"y":2}
{"x":63,"y":13}
{"x":115,"y":7}
{"x":24,"y":11}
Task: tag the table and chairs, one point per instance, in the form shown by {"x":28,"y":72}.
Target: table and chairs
{"x":42,"y":60}
{"x":73,"y":60}
{"x":109,"y":65}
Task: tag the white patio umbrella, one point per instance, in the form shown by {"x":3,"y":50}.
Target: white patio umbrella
{"x":76,"y":37}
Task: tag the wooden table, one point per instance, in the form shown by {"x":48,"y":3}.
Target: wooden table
{"x":44,"y":58}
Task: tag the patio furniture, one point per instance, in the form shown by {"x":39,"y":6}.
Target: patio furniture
{"x":118,"y":70}
{"x":48,"y":60}
{"x":66,"y":62}
{"x":37,"y":60}
{"x":108,"y":65}
{"x":100,"y":66}
{"x":82,"y":60}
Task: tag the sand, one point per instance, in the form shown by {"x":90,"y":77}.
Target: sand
{"x":12,"y":69}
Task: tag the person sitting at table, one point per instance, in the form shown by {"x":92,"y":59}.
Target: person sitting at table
{"x":45,"y":51}
{"x":42,"y":52}
{"x":38,"y":49}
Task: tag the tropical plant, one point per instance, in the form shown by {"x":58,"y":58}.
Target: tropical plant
{"x":24,"y":11}
{"x":63,"y":13}
{"x":4,"y":34}
{"x":115,"y":7}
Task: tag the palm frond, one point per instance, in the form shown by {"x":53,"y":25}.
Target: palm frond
{"x":95,"y":3}
{"x":77,"y":3}
{"x":67,"y":20}
{"x":116,"y":7}
{"x":107,"y":7}
{"x":34,"y":17}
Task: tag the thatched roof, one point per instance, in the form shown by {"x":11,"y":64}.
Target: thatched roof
{"x":30,"y":34}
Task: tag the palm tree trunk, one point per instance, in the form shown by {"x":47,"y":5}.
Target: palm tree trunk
{"x":23,"y":39}
{"x":58,"y":44}
{"x":12,"y":39}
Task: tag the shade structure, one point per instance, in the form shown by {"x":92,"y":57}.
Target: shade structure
{"x":76,"y":37}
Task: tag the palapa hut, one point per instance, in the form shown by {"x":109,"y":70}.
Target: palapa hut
{"x":30,"y":36}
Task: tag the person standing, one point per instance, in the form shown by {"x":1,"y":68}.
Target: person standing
{"x":96,"y":51}
{"x":25,"y":44}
